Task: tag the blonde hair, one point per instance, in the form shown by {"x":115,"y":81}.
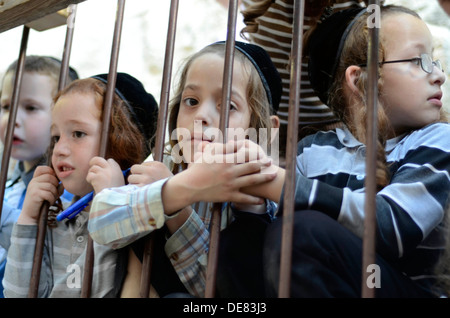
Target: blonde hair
{"x":258,"y":102}
{"x":355,"y":52}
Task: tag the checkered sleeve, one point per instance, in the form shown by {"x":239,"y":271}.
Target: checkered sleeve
{"x":120,"y":216}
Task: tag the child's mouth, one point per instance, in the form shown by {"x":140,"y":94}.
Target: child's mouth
{"x":65,"y":171}
{"x":17,"y":141}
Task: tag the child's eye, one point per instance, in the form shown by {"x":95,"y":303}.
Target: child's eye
{"x":78,"y":134}
{"x":54,"y":139}
{"x":30,"y":108}
{"x":190,"y":101}
{"x":5,"y":107}
{"x":232,"y":106}
{"x":416,"y":60}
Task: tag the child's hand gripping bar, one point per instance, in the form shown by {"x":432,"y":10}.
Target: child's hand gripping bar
{"x":79,"y":206}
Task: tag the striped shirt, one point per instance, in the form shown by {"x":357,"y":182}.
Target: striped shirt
{"x":120,"y":216}
{"x":410,"y":209}
{"x":275,"y":36}
{"x":63,"y":262}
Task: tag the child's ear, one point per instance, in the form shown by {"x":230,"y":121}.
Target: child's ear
{"x":275,"y":120}
{"x":352,"y":74}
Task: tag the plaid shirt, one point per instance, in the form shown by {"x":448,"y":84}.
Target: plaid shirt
{"x":120,"y":216}
{"x":62,"y":264}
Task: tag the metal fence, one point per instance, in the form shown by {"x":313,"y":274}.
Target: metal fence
{"x":288,"y":213}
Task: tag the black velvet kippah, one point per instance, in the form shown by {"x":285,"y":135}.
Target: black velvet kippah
{"x":266,"y":69}
{"x":325,"y":46}
{"x":142,"y":105}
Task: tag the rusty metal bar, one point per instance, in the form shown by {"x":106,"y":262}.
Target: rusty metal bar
{"x":371,"y":160}
{"x":226,"y":96}
{"x":160,"y":133}
{"x":13,"y":114}
{"x":291,"y":153}
{"x":67,"y":47}
{"x":106,"y":114}
{"x":42,"y":223}
{"x":38,"y":251}
{"x":18,"y":79}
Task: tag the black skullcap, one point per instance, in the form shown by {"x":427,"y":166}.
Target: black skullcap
{"x":325,"y":46}
{"x":142,"y":105}
{"x":266,"y":69}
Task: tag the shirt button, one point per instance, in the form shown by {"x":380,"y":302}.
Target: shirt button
{"x":80,"y":239}
{"x":174,"y":256}
{"x":152,"y":222}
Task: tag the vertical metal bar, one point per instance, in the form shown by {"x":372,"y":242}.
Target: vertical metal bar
{"x":160,"y":133}
{"x":19,"y":74}
{"x":371,"y":160}
{"x":67,"y":47}
{"x":13,"y":114}
{"x":42,"y":223}
{"x":226,"y":96}
{"x":106,"y":114}
{"x":166,"y":81}
{"x":38,"y":251}
{"x":291,"y":146}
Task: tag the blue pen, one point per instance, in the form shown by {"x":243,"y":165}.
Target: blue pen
{"x":79,"y":206}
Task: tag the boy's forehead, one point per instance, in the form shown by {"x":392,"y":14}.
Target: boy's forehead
{"x":6,"y":86}
{"x":33,"y":86}
{"x":402,"y":31}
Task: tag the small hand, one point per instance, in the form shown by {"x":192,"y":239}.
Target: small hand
{"x":43,"y":187}
{"x":148,"y":172}
{"x":104,"y":174}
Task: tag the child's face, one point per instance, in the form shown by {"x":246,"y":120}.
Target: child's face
{"x":412,"y":97}
{"x":201,"y":99}
{"x":32,"y":127}
{"x":75,"y":130}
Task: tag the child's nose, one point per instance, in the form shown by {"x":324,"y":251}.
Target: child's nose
{"x":19,"y":117}
{"x":60,"y":148}
{"x":206,"y":113}
{"x":438,"y":76}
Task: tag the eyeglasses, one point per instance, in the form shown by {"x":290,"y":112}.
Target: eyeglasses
{"x":425,"y":62}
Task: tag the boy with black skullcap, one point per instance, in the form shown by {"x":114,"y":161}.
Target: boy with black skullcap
{"x":178,"y":203}
{"x":75,"y":141}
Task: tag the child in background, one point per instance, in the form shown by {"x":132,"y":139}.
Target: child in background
{"x":161,"y":198}
{"x":413,"y":164}
{"x":31,"y":132}
{"x":75,"y":139}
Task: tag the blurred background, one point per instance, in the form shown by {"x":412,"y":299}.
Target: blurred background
{"x":143,"y":42}
{"x":200,"y":22}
